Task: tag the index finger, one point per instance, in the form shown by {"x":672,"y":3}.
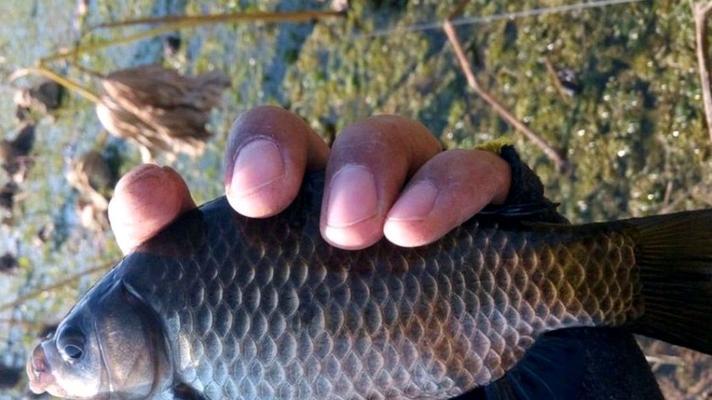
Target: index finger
{"x":268,"y":150}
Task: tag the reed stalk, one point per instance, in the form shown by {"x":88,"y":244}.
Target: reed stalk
{"x":172,"y":23}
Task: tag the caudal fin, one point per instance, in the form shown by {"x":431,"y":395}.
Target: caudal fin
{"x":674,"y":254}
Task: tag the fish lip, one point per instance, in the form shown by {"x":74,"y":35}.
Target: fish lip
{"x":38,"y":371}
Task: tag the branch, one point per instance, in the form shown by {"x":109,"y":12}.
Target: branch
{"x":700,"y":11}
{"x":553,"y":154}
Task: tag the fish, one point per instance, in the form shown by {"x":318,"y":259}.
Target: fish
{"x":220,"y":306}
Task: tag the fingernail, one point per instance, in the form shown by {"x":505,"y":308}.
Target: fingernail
{"x":352,"y":197}
{"x":258,"y":164}
{"x":416,"y":203}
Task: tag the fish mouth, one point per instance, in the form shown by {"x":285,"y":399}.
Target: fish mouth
{"x":38,"y":371}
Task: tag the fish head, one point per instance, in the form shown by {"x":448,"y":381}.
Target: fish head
{"x":109,"y":346}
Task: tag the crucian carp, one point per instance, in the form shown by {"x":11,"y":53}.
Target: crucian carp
{"x":219,"y":306}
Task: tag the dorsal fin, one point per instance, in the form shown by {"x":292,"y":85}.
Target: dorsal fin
{"x":524,"y":211}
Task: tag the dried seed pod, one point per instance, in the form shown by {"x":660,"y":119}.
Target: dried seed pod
{"x":160,"y":109}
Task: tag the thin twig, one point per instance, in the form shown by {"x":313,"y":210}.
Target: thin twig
{"x":700,"y":11}
{"x":673,"y":204}
{"x":555,"y":80}
{"x":56,"y":285}
{"x":553,"y":154}
{"x":49,"y":74}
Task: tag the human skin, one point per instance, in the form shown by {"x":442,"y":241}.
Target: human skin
{"x":385,"y":176}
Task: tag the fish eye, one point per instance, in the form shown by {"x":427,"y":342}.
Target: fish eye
{"x":70,"y":343}
{"x":72,"y":351}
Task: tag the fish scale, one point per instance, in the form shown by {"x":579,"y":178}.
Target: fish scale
{"x":265,"y":308}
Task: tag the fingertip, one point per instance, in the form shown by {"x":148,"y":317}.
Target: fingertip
{"x":360,"y":236}
{"x":352,"y":216}
{"x":496,"y":170}
{"x":145,"y":200}
{"x":408,"y":233}
{"x":180,"y":189}
{"x":415,"y":220}
{"x":415,"y":232}
{"x":449,"y":189}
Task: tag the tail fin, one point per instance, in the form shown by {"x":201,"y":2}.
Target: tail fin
{"x":674,"y":254}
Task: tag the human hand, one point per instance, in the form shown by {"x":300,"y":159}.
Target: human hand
{"x":385,"y":175}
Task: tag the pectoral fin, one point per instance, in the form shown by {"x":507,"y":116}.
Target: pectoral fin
{"x":551,"y":370}
{"x":185,"y":392}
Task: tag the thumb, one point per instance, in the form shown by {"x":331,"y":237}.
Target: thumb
{"x":145,"y":200}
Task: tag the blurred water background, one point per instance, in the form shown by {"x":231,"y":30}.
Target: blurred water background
{"x":616,"y":87}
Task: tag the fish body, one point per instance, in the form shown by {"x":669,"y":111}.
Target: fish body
{"x":225,"y":307}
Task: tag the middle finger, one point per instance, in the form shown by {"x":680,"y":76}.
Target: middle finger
{"x":369,"y":163}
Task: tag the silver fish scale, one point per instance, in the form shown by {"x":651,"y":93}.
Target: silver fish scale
{"x":257,"y":309}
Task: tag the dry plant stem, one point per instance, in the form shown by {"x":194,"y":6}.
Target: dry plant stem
{"x":76,"y":51}
{"x":67,"y":83}
{"x":555,"y":80}
{"x":700,"y":11}
{"x":553,"y":154}
{"x":64,"y":282}
{"x":257,"y":16}
{"x":172,"y":23}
